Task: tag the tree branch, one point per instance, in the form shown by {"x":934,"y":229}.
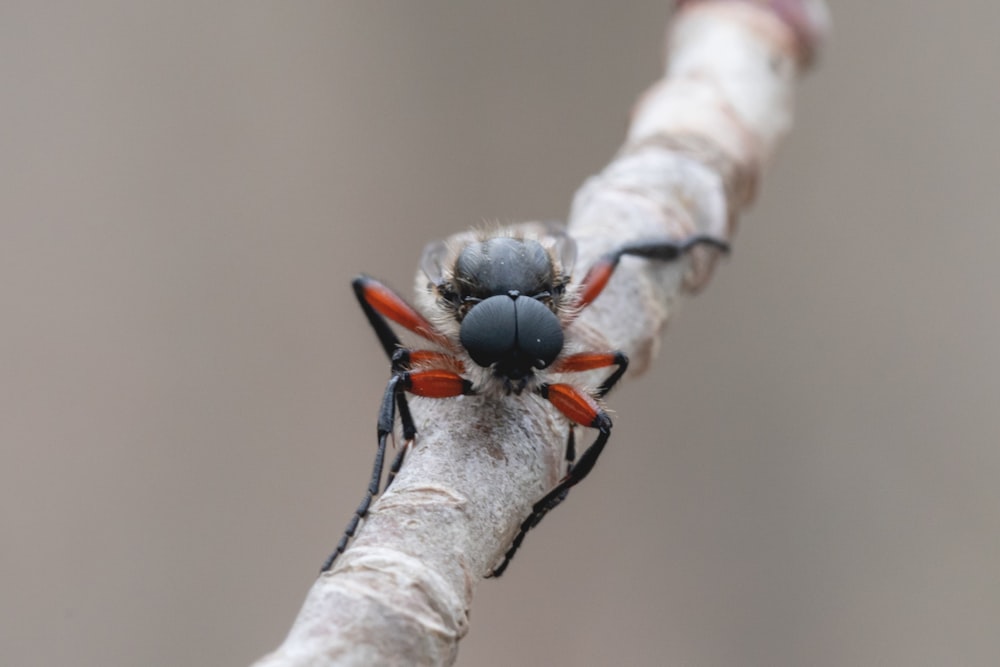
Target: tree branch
{"x":698,"y":139}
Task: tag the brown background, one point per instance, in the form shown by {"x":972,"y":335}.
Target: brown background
{"x":809,"y":476}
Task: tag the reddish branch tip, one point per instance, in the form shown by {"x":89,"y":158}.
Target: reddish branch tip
{"x":807,"y":19}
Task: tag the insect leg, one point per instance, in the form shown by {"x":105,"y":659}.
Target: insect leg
{"x":599,"y":274}
{"x":409,"y":433}
{"x":386,"y":419}
{"x":571,"y":445}
{"x":433,"y":383}
{"x":579,"y":408}
{"x":588,"y":361}
{"x":379,"y":302}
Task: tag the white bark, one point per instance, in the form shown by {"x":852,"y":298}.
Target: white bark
{"x":698,"y":139}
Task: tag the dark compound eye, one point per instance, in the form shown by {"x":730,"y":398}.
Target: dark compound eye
{"x":489,"y":330}
{"x":539,"y":333}
{"x":519,"y":332}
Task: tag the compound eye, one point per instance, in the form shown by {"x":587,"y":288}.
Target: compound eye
{"x":539,"y":333}
{"x":489,"y":330}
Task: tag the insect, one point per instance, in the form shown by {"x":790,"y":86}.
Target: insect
{"x":504,"y":306}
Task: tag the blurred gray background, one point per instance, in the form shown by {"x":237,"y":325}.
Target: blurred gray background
{"x":808,"y":475}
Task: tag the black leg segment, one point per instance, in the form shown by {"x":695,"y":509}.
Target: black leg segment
{"x":386,"y":420}
{"x":576,"y":473}
{"x":622,"y":362}
{"x":670,"y":250}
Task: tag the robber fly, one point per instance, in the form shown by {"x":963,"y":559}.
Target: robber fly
{"x":503,"y":306}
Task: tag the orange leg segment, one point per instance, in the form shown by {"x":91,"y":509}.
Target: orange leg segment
{"x":577,"y":406}
{"x":588,"y":361}
{"x":436,"y":383}
{"x":596,"y":279}
{"x":600,"y":273}
{"x":433,"y":359}
{"x":379,"y":301}
{"x":585,"y":361}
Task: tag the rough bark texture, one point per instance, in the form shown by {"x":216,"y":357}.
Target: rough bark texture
{"x":694,"y":152}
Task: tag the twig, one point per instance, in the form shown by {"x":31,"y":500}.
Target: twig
{"x":697,"y":142}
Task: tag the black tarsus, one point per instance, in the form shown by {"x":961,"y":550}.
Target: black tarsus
{"x":574,"y":475}
{"x":571,"y":445}
{"x":386,"y":419}
{"x":621,"y":361}
{"x":669,"y":250}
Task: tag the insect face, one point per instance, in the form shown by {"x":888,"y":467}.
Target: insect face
{"x":504,"y":291}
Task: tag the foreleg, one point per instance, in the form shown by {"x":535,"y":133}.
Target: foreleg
{"x":433,"y":383}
